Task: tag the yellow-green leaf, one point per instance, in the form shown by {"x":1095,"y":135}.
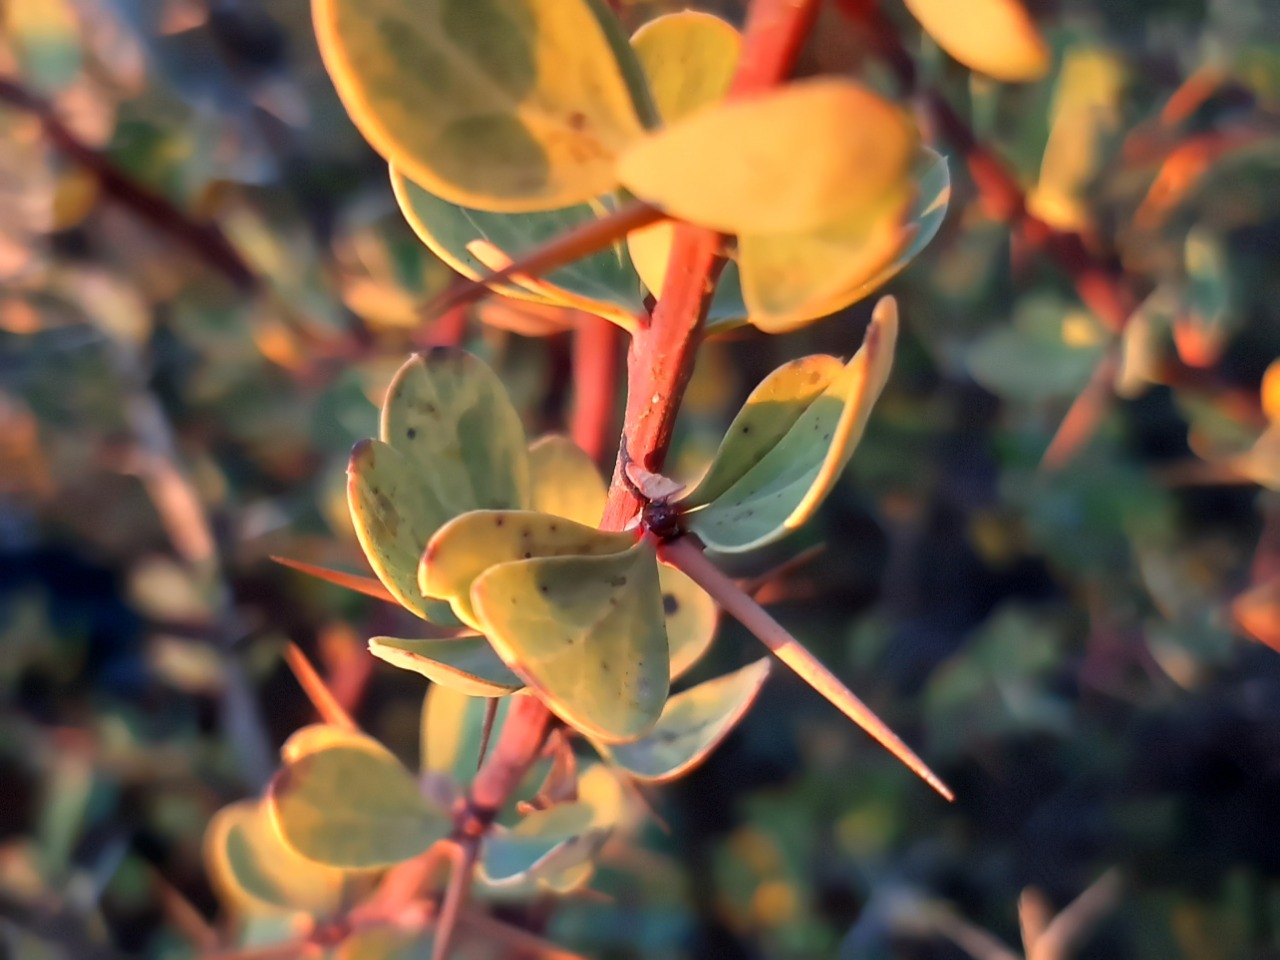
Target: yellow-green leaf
{"x":465,"y":548}
{"x":808,"y":154}
{"x":252,"y":868}
{"x":451,"y":416}
{"x":689,"y":59}
{"x":565,"y":481}
{"x":549,"y":849}
{"x":510,"y":105}
{"x":783,"y":488}
{"x":693,"y":723}
{"x":585,"y":633}
{"x":995,"y":37}
{"x":691,"y":617}
{"x":353,"y":805}
{"x":789,"y":279}
{"x":468,"y":665}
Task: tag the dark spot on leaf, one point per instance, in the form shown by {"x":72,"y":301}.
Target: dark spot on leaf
{"x":543,"y":589}
{"x":746,"y":428}
{"x":568,"y":641}
{"x":577,"y":120}
{"x":411,"y":433}
{"x":618,"y":582}
{"x":554,"y":527}
{"x":670,"y":604}
{"x":604,"y":668}
{"x":826,"y":437}
{"x":527,"y":555}
{"x":499,"y":521}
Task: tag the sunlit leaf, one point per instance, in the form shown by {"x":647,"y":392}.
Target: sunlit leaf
{"x":253,"y":868}
{"x":782,"y":487}
{"x":395,"y":510}
{"x":566,"y":482}
{"x":451,"y":442}
{"x":603,"y":283}
{"x":353,"y":805}
{"x":693,"y":723}
{"x":550,"y":848}
{"x":512,"y":105}
{"x":586,"y":633}
{"x":463,"y":549}
{"x":322,"y":736}
{"x":995,"y":37}
{"x":789,"y":279}
{"x":691,"y":617}
{"x":468,"y":665}
{"x":810,"y":153}
{"x":451,"y":416}
{"x":689,"y":58}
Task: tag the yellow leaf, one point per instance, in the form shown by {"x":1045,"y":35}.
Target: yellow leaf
{"x":809,"y":154}
{"x":508,"y":105}
{"x":995,"y":37}
{"x":689,"y":59}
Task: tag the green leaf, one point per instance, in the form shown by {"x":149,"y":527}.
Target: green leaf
{"x":692,"y":725}
{"x":451,"y":416}
{"x":689,"y":59}
{"x":549,"y":849}
{"x":395,"y":510}
{"x":604,"y":283}
{"x":565,"y":481}
{"x":802,"y":156}
{"x":1049,"y":351}
{"x":511,"y":105}
{"x":353,"y":805}
{"x":451,"y":731}
{"x":783,"y":486}
{"x":585,"y":633}
{"x":468,"y":665}
{"x":691,"y":619}
{"x":251,"y":867}
{"x":451,"y":442}
{"x":465,"y":548}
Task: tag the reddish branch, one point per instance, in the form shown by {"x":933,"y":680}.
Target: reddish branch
{"x":659,"y":364}
{"x":205,"y":240}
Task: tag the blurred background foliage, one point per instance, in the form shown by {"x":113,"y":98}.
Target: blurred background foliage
{"x":204,"y":282}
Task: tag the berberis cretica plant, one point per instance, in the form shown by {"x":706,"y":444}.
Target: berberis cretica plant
{"x":675,"y":186}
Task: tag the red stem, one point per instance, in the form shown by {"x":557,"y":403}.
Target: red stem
{"x":596,"y":363}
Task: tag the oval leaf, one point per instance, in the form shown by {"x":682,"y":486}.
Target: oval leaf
{"x":691,"y":618}
{"x":468,"y":665}
{"x":689,"y":59}
{"x":692,"y":725}
{"x":565,"y":481}
{"x":395,"y":512}
{"x":511,"y":105}
{"x":549,"y":849}
{"x":787,"y":484}
{"x":995,"y":37}
{"x":585,"y":633}
{"x":450,"y":415}
{"x":253,"y":868}
{"x":789,"y":279}
{"x":465,"y":548}
{"x":353,"y":805}
{"x":605,"y":283}
{"x":808,"y":154}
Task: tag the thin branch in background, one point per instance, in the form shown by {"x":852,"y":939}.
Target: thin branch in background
{"x":184,"y":916}
{"x":574,"y":244}
{"x":1085,"y":414}
{"x":321,"y":697}
{"x":368,"y":586}
{"x":205,"y":240}
{"x":685,"y":554}
{"x":486,"y":728}
{"x":1078,"y":919}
